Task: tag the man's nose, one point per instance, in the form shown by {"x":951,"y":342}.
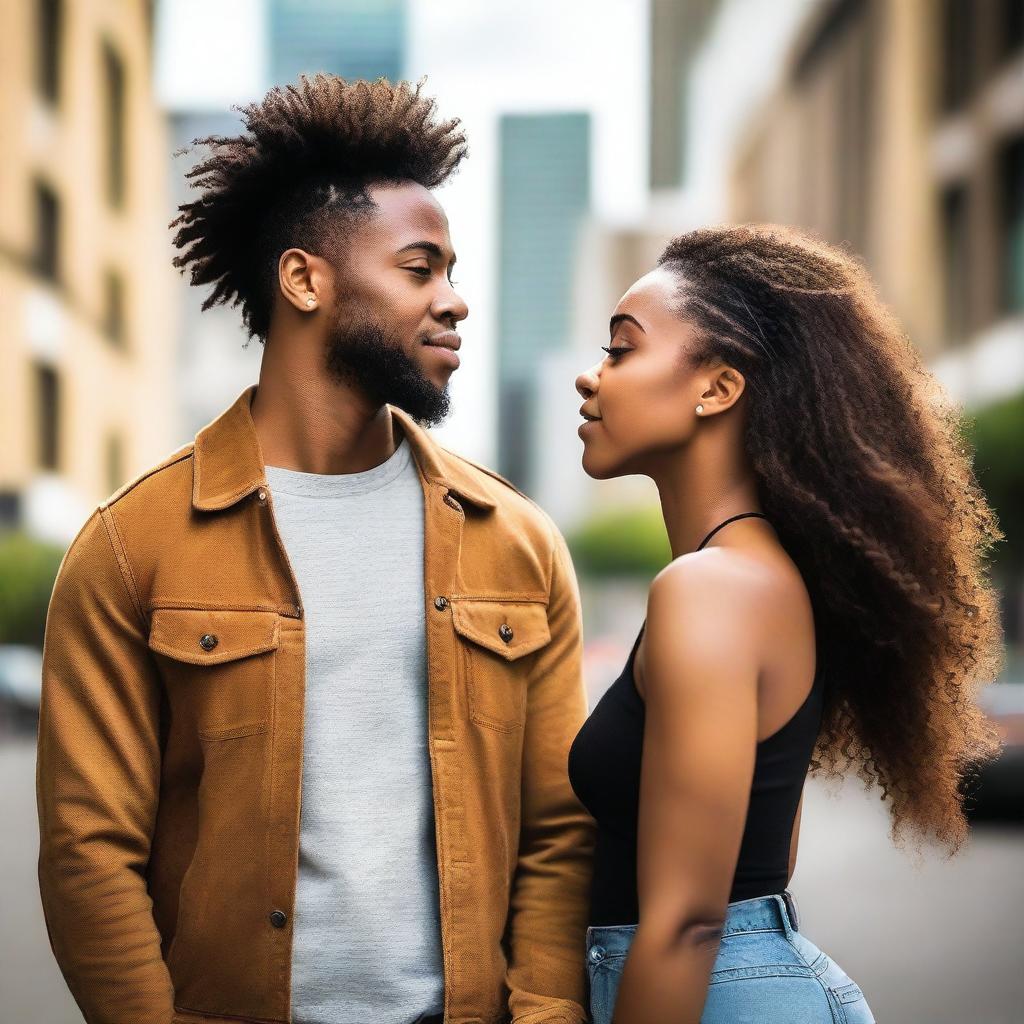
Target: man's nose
{"x":450,"y":305}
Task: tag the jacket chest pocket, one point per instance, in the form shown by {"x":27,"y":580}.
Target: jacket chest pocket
{"x":218,"y":667}
{"x":495,"y":639}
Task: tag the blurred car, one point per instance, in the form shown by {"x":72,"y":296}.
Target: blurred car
{"x":1001,"y":785}
{"x":21,"y":680}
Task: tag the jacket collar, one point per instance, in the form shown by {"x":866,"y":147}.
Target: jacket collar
{"x":228,"y":463}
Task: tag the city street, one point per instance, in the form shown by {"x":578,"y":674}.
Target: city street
{"x":930,"y":941}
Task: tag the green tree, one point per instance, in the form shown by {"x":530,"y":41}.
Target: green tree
{"x":997,"y":434}
{"x":624,"y":542}
{"x":28,"y":568}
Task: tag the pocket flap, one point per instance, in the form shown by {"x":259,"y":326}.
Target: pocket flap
{"x":212,"y":636}
{"x":509,"y":629}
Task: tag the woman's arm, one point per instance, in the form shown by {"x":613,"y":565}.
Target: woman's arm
{"x":700,"y":672}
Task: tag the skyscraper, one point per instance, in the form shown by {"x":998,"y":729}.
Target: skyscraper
{"x":544,"y":194}
{"x":352,"y":38}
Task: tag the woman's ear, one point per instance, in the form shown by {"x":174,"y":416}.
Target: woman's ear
{"x":722,"y":390}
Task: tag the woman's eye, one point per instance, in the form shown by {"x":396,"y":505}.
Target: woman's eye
{"x":615,"y":353}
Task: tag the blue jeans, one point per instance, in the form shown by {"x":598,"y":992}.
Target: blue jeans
{"x":766,"y":972}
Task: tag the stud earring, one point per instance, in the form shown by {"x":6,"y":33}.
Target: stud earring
{"x":700,"y":409}
{"x":311,"y":301}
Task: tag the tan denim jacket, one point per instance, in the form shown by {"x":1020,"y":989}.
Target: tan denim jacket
{"x":170,"y":745}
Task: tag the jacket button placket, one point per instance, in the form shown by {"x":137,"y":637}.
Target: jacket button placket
{"x":443,"y":524}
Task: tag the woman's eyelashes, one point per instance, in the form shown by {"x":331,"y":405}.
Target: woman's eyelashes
{"x":615,"y":353}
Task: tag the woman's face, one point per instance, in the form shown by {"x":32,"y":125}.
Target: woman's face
{"x":640,"y":400}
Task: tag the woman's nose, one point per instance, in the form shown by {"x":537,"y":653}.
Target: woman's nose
{"x":586,"y":383}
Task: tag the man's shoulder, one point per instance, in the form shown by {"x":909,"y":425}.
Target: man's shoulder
{"x":168,"y":478}
{"x":501,"y":491}
{"x":153,"y":490}
{"x":484,"y":475}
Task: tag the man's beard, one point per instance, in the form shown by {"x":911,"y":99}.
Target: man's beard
{"x":364,"y":353}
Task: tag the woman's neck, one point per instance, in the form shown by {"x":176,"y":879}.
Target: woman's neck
{"x":701,"y":489}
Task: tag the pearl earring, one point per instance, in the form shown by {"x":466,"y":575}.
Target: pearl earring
{"x":311,"y":301}
{"x":700,"y":409}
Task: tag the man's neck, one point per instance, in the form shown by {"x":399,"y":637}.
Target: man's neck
{"x":319,"y":426}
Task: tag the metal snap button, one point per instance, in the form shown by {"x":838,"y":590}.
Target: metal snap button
{"x":596,"y":954}
{"x":440,"y":603}
{"x":278,"y":918}
{"x":262,"y":495}
{"x":505,"y":632}
{"x":208,"y":641}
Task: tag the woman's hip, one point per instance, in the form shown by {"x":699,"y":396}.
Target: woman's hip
{"x":765,"y":971}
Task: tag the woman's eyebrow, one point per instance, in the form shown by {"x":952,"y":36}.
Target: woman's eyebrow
{"x":619,"y":317}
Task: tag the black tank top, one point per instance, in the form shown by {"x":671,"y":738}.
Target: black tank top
{"x":604,"y":769}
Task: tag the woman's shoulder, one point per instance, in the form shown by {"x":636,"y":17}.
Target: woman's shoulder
{"x":720,"y":606}
{"x":721,"y":574}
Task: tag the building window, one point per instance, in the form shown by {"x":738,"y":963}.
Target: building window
{"x":46,"y":256}
{"x":114,"y":102}
{"x":10,"y":510}
{"x":48,"y":39}
{"x":1011,"y":220}
{"x":958,"y":40}
{"x":1011,"y":26}
{"x":47,"y":416}
{"x":114,"y":459}
{"x":113,"y":308}
{"x":957,"y":262}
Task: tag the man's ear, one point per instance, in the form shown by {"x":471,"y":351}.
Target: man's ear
{"x":298,"y":279}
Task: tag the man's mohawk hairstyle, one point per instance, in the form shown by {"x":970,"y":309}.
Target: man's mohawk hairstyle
{"x":308,"y":150}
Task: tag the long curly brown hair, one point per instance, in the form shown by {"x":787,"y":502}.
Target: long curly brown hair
{"x":865,"y":472}
{"x":298,"y":175}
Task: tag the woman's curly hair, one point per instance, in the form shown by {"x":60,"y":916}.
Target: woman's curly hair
{"x":864,"y":470}
{"x":297,"y":175}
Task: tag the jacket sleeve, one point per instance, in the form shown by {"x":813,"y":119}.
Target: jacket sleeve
{"x":97,"y":785}
{"x":551,"y":890}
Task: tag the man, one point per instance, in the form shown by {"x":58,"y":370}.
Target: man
{"x":310,"y":683}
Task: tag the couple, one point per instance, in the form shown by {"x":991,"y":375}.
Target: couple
{"x":313,"y":740}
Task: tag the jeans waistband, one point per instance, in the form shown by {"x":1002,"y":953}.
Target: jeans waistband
{"x":765,"y":913}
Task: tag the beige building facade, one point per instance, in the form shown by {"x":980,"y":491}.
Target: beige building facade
{"x":86,"y":283}
{"x":898,"y":128}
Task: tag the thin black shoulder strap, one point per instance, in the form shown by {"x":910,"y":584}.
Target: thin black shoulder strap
{"x":731,"y":519}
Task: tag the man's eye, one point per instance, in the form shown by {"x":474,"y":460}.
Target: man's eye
{"x":422,"y":271}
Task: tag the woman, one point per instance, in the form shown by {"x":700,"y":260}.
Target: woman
{"x":826,"y":607}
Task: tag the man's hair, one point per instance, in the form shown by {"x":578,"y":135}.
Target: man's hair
{"x":297,"y":175}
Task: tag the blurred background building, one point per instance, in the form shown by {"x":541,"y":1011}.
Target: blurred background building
{"x":909,"y":121}
{"x":596,"y":134}
{"x":86,"y":336}
{"x":544,"y":193}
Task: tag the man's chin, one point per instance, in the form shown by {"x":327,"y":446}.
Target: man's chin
{"x":426,"y":410}
{"x":368,"y":358}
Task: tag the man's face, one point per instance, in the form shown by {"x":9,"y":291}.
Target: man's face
{"x":393,"y":330}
